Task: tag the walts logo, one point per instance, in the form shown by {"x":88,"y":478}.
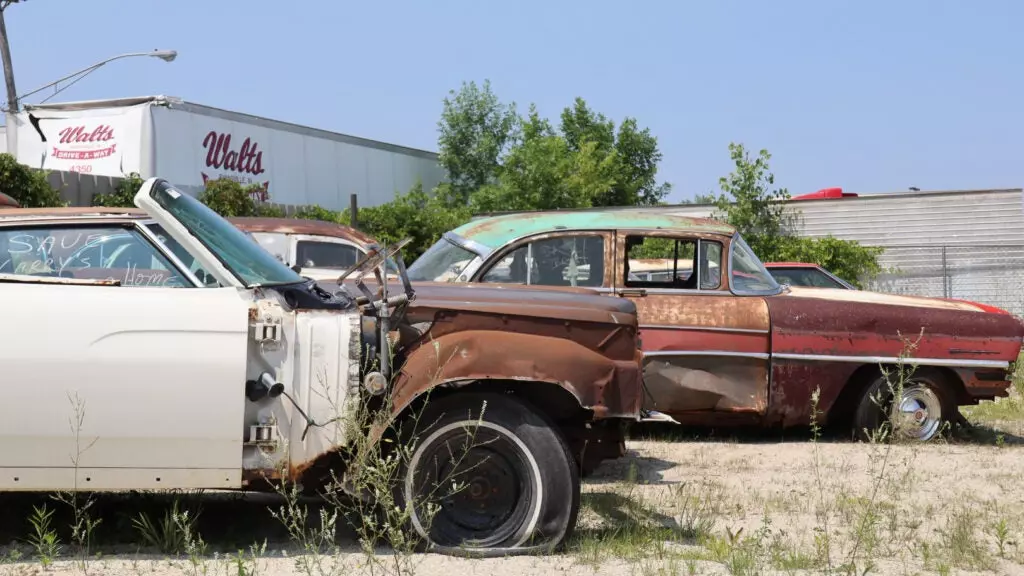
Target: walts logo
{"x":248,"y":159}
{"x":84,"y":144}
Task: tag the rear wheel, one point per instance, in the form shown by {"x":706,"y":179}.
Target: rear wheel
{"x":516,"y":485}
{"x":924,"y":404}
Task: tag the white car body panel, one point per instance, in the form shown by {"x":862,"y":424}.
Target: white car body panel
{"x":285,"y":247}
{"x":160,"y":371}
{"x":159,"y":376}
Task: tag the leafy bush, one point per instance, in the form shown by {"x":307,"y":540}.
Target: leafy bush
{"x":229,"y":198}
{"x":317,"y":212}
{"x":123,"y":195}
{"x":844,"y":258}
{"x":762,"y":216}
{"x":27,"y":185}
{"x":423,"y":217}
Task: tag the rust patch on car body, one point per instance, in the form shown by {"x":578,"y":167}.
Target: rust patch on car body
{"x":584,"y":343}
{"x":606,"y":387}
{"x":302,"y":226}
{"x":832,"y":342}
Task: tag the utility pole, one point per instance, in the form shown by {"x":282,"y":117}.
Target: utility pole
{"x":5,"y":54}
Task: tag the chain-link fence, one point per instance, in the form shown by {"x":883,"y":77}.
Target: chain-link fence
{"x":990,"y":274}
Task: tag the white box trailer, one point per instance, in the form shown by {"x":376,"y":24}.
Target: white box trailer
{"x":188,"y":143}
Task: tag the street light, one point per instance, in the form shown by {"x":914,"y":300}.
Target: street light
{"x":165,"y":55}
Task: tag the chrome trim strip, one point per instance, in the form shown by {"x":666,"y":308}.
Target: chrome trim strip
{"x":703,"y":329}
{"x":722,"y":353}
{"x":950,"y":362}
{"x":677,"y":291}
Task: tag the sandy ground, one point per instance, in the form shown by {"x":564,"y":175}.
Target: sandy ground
{"x":732,"y":507}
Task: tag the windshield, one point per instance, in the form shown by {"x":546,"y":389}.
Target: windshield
{"x":442,"y":262}
{"x":807,"y":277}
{"x":239,"y":253}
{"x":748,"y":273}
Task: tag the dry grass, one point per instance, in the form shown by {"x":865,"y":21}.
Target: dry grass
{"x":746,"y":506}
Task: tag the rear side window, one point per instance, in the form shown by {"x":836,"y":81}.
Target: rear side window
{"x":86,"y":253}
{"x":673,"y":263}
{"x":312,"y":254}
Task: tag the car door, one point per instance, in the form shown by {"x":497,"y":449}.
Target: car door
{"x":116,"y":365}
{"x":706,"y":349}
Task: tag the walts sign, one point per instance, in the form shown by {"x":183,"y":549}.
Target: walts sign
{"x":242,"y":164}
{"x":189,"y":144}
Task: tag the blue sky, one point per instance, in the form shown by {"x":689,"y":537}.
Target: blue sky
{"x":869,"y":95}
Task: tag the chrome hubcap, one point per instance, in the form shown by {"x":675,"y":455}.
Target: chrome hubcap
{"x":918,"y":413}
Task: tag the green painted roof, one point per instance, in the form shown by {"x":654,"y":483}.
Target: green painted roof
{"x":496,"y":231}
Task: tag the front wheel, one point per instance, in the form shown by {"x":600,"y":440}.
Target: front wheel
{"x":917,"y":412}
{"x":489,"y":476}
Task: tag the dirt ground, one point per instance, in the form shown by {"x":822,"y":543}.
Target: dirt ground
{"x":681,"y":505}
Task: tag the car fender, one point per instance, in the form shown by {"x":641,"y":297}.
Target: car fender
{"x":599,"y":384}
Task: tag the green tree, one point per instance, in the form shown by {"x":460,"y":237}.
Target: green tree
{"x":27,"y":185}
{"x":541,"y":172}
{"x":123,"y":195}
{"x":632,"y":154}
{"x":417,"y":214}
{"x":498,"y":160}
{"x":475,"y":128}
{"x":750,"y":202}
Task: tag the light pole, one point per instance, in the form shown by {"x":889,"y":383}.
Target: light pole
{"x":165,"y":55}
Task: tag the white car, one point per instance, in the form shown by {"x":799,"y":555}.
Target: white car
{"x":190,"y":357}
{"x":313,"y":248}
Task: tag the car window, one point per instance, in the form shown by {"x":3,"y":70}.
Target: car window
{"x":313,"y":254}
{"x":273,"y":242}
{"x":442,"y":262}
{"x":660,"y":262}
{"x":809,"y":277}
{"x":748,"y":274}
{"x":186,"y":258}
{"x":86,"y":253}
{"x":560,"y":261}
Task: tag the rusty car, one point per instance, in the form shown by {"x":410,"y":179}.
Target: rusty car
{"x":199,"y":360}
{"x":725,"y":343}
{"x":8,"y":202}
{"x":314,"y":248}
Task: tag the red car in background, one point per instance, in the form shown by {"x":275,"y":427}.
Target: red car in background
{"x":8,"y":202}
{"x":805,"y":274}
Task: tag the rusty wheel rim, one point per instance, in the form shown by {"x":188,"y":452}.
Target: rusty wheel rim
{"x":918,"y":414}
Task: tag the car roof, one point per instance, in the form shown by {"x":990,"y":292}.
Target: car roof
{"x":302,"y":226}
{"x":496,"y":231}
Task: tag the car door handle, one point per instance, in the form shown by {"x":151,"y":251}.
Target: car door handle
{"x":632,"y":292}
